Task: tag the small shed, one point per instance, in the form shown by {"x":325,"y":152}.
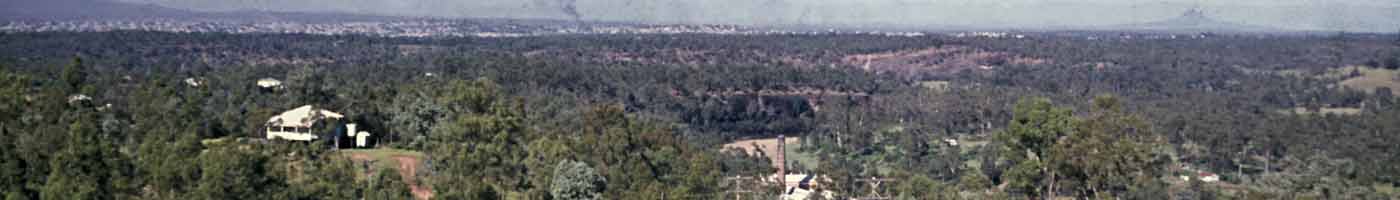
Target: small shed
{"x":269,"y":83}
{"x":361,"y":137}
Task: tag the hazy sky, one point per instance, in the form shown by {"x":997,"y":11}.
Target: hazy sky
{"x":1350,"y":15}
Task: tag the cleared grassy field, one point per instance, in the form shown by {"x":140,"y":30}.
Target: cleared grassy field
{"x":404,"y":161}
{"x":1370,"y":79}
{"x":382,"y":158}
{"x":1322,"y":111}
{"x":769,"y":147}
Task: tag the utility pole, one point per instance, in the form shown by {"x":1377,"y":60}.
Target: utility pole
{"x":1239,"y":167}
{"x":735,"y":187}
{"x":875,"y":184}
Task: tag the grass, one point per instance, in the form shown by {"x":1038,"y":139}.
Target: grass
{"x":383,"y":158}
{"x":967,"y":145}
{"x":1323,"y":111}
{"x":1387,"y":189}
{"x":808,"y":160}
{"x":1289,"y":72}
{"x":1370,"y":79}
{"x":939,"y":86}
{"x":215,"y":141}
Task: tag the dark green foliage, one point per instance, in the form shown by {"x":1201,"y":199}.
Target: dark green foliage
{"x":921,"y":187}
{"x":165,"y":164}
{"x":1035,"y":129}
{"x":12,"y":104}
{"x":1102,"y":155}
{"x":231,"y":172}
{"x":332,"y":178}
{"x":481,"y":147}
{"x":88,"y":167}
{"x":1392,"y":63}
{"x":1109,"y":153}
{"x":498,"y":115}
{"x":642,"y":160}
{"x":75,"y":75}
{"x":386,"y":184}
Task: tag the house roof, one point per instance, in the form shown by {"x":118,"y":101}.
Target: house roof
{"x":1205,"y":174}
{"x":269,"y":82}
{"x":303,"y":116}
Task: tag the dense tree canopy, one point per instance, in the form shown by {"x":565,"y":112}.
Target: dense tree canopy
{"x":152,"y":115}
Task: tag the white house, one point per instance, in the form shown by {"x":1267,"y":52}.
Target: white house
{"x":269,"y":83}
{"x":296,"y":124}
{"x":1209,"y":177}
{"x":802,"y":187}
{"x":194,"y":82}
{"x":79,"y":98}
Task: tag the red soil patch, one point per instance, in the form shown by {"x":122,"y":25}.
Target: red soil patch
{"x":766,"y":147}
{"x":408,"y":168}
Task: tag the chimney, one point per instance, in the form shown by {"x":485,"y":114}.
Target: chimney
{"x":782,"y":163}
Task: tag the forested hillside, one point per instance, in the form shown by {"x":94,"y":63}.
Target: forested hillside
{"x":153,"y":115}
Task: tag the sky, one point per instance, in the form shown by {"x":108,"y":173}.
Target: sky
{"x":1309,"y":15}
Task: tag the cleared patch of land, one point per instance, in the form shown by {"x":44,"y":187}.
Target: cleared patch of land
{"x":404,"y":161}
{"x":1322,"y":111}
{"x":765,"y":146}
{"x":769,"y":147}
{"x":1371,"y":78}
{"x":936,"y":59}
{"x":1367,"y":79}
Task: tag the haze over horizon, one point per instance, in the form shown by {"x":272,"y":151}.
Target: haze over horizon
{"x":1293,"y":15}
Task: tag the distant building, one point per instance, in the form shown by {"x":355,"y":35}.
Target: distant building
{"x":802,"y":187}
{"x":269,"y":83}
{"x":78,"y":98}
{"x":1208,"y":177}
{"x":296,"y":124}
{"x":194,"y":82}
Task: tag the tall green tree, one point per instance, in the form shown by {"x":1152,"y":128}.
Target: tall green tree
{"x":166,"y":165}
{"x":88,"y":167}
{"x":231,"y":172}
{"x":1104,"y":154}
{"x":12,"y":106}
{"x":1035,"y":128}
{"x":74,"y":75}
{"x":332,"y":177}
{"x":642,"y":159}
{"x":481,"y":148}
{"x":1108,"y":153}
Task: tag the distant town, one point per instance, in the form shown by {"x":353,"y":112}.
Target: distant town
{"x":406,"y":28}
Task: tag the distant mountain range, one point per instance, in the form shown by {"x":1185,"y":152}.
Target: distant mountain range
{"x":1193,"y":20}
{"x":112,"y":10}
{"x":84,"y":9}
